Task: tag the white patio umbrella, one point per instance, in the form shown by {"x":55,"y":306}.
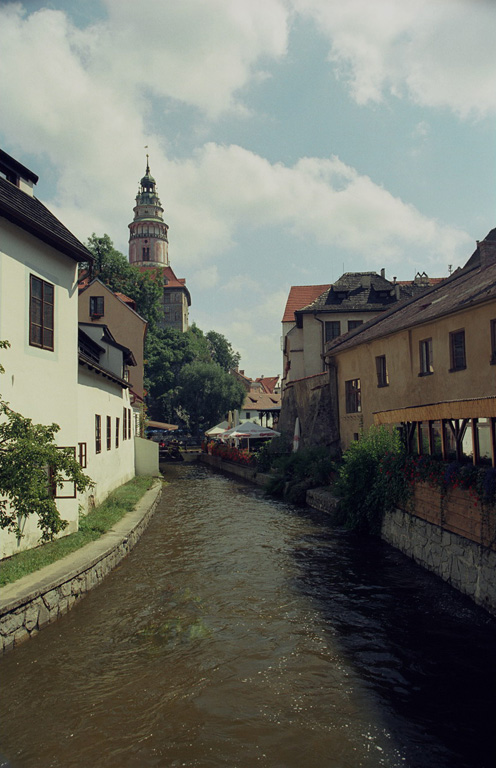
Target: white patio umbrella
{"x":218,"y":430}
{"x":296,"y":436}
{"x":250,"y":430}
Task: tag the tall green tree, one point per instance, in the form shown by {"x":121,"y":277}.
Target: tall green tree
{"x":207,"y":393}
{"x":222,"y":352}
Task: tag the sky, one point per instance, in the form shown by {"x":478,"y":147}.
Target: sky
{"x":291,"y":140}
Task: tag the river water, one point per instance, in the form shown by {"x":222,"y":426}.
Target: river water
{"x":244,"y":632}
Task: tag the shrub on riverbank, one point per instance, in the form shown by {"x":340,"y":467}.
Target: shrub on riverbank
{"x":296,"y":473}
{"x":91,"y":527}
{"x":371,"y":479}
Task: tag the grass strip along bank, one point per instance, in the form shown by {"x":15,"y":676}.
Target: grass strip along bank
{"x":91,"y":527}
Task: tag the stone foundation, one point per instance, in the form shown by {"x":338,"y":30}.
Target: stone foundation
{"x":467,"y":566}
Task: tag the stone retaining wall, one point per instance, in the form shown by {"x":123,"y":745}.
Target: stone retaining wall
{"x":467,"y":566}
{"x":246,"y":473}
{"x":29,"y":604}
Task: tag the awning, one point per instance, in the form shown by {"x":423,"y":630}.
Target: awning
{"x":161,"y":425}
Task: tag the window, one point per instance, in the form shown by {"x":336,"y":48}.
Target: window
{"x":457,"y":351}
{"x":352,"y":324}
{"x":109,"y":433}
{"x":380,"y":366}
{"x":332,"y":329}
{"x":64,"y":488}
{"x":41,"y":304}
{"x":117,"y":428}
{"x":97,"y":306}
{"x":129,"y":425}
{"x":82,"y":455}
{"x":425,"y":352}
{"x":146,"y":254}
{"x":124,"y":423}
{"x":353,"y":398}
{"x":98,"y":434}
{"x":493,"y":342}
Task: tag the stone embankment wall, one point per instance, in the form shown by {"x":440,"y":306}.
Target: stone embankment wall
{"x":246,"y":473}
{"x":313,"y":400}
{"x":29,"y":604}
{"x":454,"y":536}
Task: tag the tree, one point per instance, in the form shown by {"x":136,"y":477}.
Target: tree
{"x":207,"y":393}
{"x":31,"y":467}
{"x":113,"y":269}
{"x":222,"y":352}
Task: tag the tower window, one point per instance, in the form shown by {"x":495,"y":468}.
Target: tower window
{"x":146,"y":253}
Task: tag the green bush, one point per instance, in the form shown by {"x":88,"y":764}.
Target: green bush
{"x":295,"y":473}
{"x":371,"y":479}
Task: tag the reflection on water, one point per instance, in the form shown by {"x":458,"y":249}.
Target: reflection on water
{"x":241,"y":632}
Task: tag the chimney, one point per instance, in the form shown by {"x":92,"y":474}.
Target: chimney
{"x":383,"y":272}
{"x":487,"y":252}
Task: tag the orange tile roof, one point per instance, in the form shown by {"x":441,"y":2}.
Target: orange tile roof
{"x":268,"y":383}
{"x":299,"y":297}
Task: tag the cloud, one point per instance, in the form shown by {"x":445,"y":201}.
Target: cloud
{"x":320,"y":199}
{"x":438,"y":54}
{"x":198,"y":53}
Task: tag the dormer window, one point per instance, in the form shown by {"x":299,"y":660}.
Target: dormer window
{"x":97,"y":306}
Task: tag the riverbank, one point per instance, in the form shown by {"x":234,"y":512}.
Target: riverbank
{"x":465,"y":564}
{"x":30,"y":603}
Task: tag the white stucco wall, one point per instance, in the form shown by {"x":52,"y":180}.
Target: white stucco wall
{"x":40,"y":384}
{"x":109,"y":468}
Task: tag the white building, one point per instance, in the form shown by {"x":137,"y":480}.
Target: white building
{"x":45,"y":379}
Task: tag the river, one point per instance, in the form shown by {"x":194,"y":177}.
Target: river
{"x":243,"y":632}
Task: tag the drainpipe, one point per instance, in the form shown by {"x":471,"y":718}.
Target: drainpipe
{"x":322,"y":341}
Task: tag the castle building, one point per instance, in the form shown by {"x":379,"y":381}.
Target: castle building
{"x":149,"y":250}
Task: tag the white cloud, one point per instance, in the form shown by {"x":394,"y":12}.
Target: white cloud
{"x":317,"y":198}
{"x":439,"y":54}
{"x":198,"y":52}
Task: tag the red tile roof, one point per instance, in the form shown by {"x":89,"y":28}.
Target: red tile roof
{"x":268,"y":383}
{"x":299,"y":297}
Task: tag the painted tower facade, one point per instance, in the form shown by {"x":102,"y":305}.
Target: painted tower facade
{"x":149,"y":250}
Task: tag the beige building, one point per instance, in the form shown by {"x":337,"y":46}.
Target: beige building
{"x":149,"y":250}
{"x":428,"y":366}
{"x":336,"y":310}
{"x":98,"y":305}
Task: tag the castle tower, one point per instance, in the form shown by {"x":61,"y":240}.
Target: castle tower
{"x":149,"y":250}
{"x":148,"y":244}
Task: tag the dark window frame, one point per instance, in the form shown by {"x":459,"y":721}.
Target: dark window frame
{"x":426,"y":360}
{"x":353,"y":396}
{"x":117,"y":431}
{"x":97,"y":306}
{"x":39,"y":332}
{"x":458,"y":354}
{"x":124,"y":423}
{"x":98,"y":433}
{"x":83,"y":455}
{"x":109,"y":433}
{"x":493,"y":342}
{"x":330,"y":327}
{"x":381,"y":371}
{"x":352,"y":324}
{"x":56,"y":490}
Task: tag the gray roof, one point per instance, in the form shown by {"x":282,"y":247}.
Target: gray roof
{"x":28,"y":213}
{"x":361,"y":292}
{"x":471,"y":285}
